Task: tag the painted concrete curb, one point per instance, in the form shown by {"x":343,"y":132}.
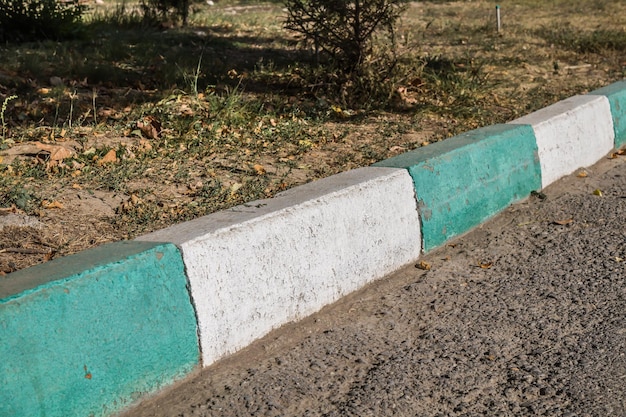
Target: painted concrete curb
{"x":573,"y":133}
{"x":258,"y":266}
{"x":90,"y":333}
{"x":464,"y":180}
{"x":616,"y":94}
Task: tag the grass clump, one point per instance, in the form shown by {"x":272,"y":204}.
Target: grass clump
{"x":582,"y":41}
{"x":28,"y":20}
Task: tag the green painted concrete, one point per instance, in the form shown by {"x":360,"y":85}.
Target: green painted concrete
{"x":616,"y":93}
{"x":464,"y":180}
{"x":89,"y":333}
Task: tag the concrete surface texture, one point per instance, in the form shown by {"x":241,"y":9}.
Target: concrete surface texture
{"x":465,"y":180}
{"x":261,"y":265}
{"x":90,"y":333}
{"x":573,"y":133}
{"x":616,"y":94}
{"x":523,"y":316}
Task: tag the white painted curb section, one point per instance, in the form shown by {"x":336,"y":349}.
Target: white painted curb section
{"x":258,"y":266}
{"x":573,"y":133}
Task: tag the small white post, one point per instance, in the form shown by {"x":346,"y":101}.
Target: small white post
{"x":498,"y":16}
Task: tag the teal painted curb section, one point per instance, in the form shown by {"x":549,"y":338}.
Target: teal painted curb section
{"x":616,"y":94}
{"x":464,"y":180}
{"x":90,"y":333}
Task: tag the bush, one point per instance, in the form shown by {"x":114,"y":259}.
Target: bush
{"x":343,"y":29}
{"x":30,"y":20}
{"x":166,"y":11}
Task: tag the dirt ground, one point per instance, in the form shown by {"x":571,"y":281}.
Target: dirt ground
{"x":525,"y":315}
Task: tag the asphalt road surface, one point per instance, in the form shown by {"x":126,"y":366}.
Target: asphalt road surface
{"x":523,"y":316}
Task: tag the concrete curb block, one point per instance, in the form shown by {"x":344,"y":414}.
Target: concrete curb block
{"x":616,"y":94}
{"x":91,"y":333}
{"x":573,"y":133}
{"x":464,"y":180}
{"x":258,"y":266}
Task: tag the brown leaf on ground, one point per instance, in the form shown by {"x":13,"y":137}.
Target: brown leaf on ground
{"x":185,"y":110}
{"x":109,"y":113}
{"x":53,"y":152}
{"x":51,"y":204}
{"x":150,"y":127}
{"x":563,"y":222}
{"x":109,"y":158}
{"x":485,"y":265}
{"x":57,"y":152}
{"x":144,"y":145}
{"x":259,"y":169}
{"x":425,"y":266}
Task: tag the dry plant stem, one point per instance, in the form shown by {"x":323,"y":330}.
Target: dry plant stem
{"x":26,"y":251}
{"x":4,"y":109}
{"x":93,"y":103}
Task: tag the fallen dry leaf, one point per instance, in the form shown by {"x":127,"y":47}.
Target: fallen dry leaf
{"x":135,"y":200}
{"x":423,"y":265}
{"x":563,"y":222}
{"x":57,"y":152}
{"x":397,"y":149}
{"x":259,"y":169}
{"x":150,"y":127}
{"x":582,"y":174}
{"x":597,"y":192}
{"x":235,"y":187}
{"x":110,"y":157}
{"x":485,"y":265}
{"x":185,"y":110}
{"x":145,"y":145}
{"x":51,"y":204}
